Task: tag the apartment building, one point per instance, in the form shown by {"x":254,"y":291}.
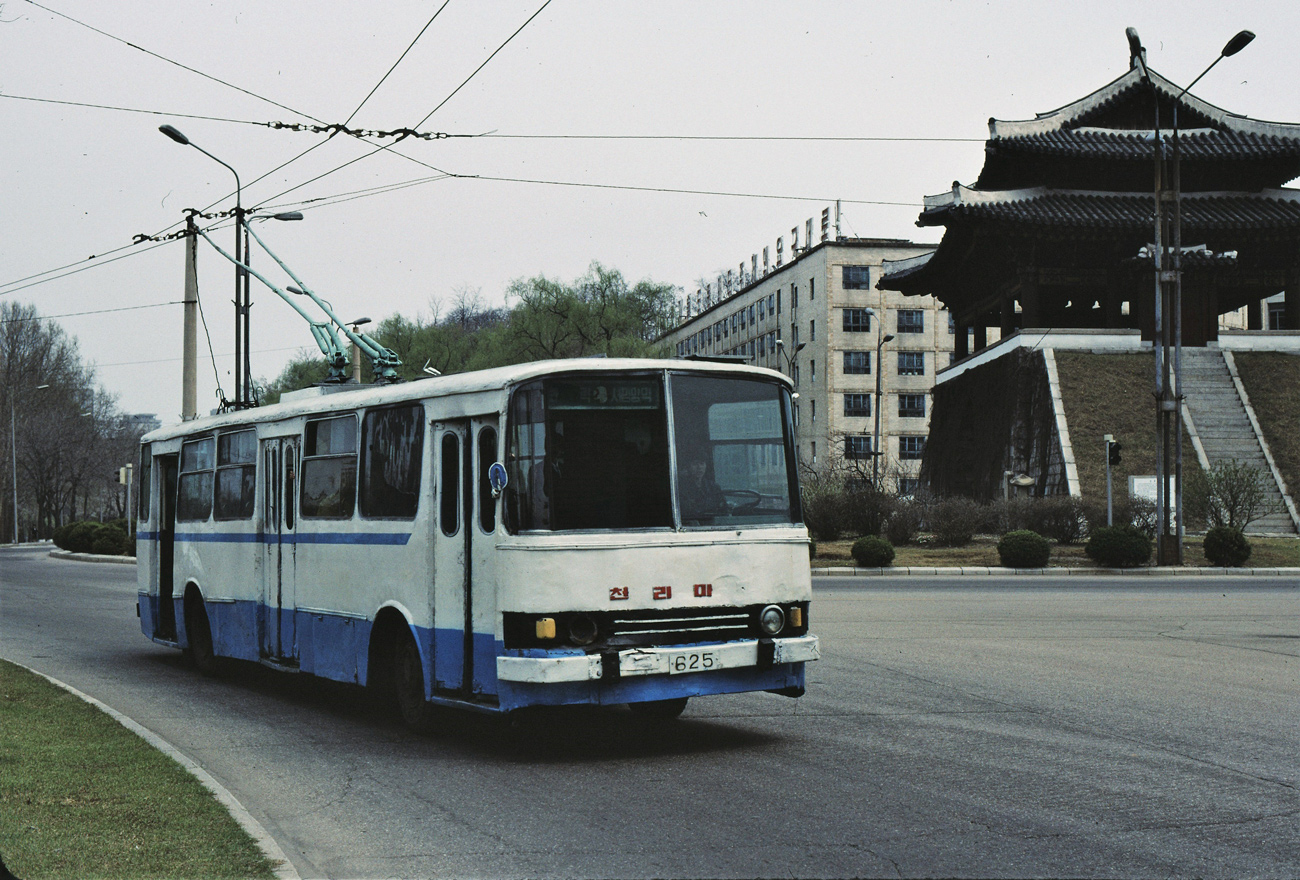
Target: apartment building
{"x":819,"y":319}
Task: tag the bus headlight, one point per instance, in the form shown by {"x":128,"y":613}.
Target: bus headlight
{"x":771,"y":620}
{"x":582,"y":630}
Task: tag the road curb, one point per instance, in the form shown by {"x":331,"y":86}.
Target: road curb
{"x":92,"y":557}
{"x":283,"y":868}
{"x":989,"y":570}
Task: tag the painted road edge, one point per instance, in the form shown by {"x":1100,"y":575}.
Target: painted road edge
{"x":284,"y":868}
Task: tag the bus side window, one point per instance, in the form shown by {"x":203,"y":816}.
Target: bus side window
{"x":146,"y":483}
{"x":487,"y":505}
{"x":194,"y":501}
{"x":450,"y":488}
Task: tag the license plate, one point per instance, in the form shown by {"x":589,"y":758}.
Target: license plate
{"x":693,"y":661}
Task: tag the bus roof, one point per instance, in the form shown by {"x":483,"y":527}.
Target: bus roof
{"x":328,"y":398}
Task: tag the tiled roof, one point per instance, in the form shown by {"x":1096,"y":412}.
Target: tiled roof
{"x":1195,"y":144}
{"x":1271,"y":209}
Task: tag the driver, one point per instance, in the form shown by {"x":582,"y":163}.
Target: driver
{"x":699,"y":494}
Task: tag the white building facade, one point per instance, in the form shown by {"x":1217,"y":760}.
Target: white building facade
{"x":819,"y":319}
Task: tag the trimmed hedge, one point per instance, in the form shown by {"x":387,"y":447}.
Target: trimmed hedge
{"x":1024,"y":549}
{"x":105,"y":539}
{"x":1226,"y":546}
{"x":872,"y":552}
{"x":1119,"y":546}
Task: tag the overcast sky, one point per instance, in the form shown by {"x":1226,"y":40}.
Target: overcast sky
{"x":911,"y":84}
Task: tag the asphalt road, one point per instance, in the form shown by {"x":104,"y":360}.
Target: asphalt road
{"x":1109,"y":727}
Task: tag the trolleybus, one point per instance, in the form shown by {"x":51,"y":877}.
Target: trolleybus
{"x":593,"y":531}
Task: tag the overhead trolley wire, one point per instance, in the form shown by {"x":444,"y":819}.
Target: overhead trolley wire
{"x":430,"y":113}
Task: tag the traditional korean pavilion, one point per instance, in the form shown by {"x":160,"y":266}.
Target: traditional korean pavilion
{"x":1056,"y":230}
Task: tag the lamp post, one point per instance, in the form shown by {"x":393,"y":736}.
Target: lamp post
{"x":243,"y":380}
{"x":13,"y":449}
{"x":1167,"y":339}
{"x":881,"y":339}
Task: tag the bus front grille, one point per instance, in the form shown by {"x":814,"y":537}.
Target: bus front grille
{"x":680,"y":627}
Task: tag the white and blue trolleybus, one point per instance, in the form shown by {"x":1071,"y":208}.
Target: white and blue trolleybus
{"x":567,"y":532}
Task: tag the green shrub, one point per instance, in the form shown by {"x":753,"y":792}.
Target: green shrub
{"x":1119,"y":546}
{"x":60,"y":536}
{"x":812,"y":549}
{"x":109,"y":540}
{"x":81,"y":537}
{"x":1226,"y":546}
{"x":955,"y":521}
{"x":1024,"y":549}
{"x":865,"y":508}
{"x":872,"y":552}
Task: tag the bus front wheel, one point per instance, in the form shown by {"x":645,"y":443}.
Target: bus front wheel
{"x":659,"y":710}
{"x":408,"y":682}
{"x":199,"y":632}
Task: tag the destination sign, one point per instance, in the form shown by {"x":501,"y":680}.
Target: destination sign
{"x":603,"y":394}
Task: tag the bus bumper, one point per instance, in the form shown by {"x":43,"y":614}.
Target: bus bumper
{"x":674,"y":660}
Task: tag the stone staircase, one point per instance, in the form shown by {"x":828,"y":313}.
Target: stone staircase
{"x":1225,"y":432}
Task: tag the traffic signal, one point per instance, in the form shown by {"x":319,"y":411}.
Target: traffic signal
{"x":1112,"y":453}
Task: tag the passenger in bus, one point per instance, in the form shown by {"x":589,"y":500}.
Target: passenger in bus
{"x":700,"y":496}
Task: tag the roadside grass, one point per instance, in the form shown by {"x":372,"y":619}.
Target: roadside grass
{"x":1271,"y":380}
{"x":83,"y":797}
{"x":982,"y":551}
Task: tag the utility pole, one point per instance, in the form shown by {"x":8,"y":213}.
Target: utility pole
{"x":190,"y":347}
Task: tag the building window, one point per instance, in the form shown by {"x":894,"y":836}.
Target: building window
{"x":771,"y":309}
{"x":911,"y":448}
{"x":857,"y":363}
{"x":762,"y":346}
{"x":911,"y":406}
{"x":794,"y":295}
{"x":857,"y":277}
{"x":812,"y":331}
{"x":952,"y":325}
{"x":812,"y":288}
{"x":857,"y":405}
{"x":751,"y":314}
{"x":812,"y":370}
{"x":857,"y":320}
{"x":908,"y":486}
{"x":911,"y":363}
{"x":814,"y":452}
{"x":742,"y":319}
{"x":812,"y":411}
{"x":911,"y":320}
{"x":857,"y":447}
{"x":762,"y":303}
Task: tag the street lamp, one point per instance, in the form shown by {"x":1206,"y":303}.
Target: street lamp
{"x":243,"y":381}
{"x":13,"y":449}
{"x":1169,"y":306}
{"x":880,"y":372}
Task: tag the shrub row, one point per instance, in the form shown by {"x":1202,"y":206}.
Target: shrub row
{"x":104,"y":538}
{"x":832,"y":510}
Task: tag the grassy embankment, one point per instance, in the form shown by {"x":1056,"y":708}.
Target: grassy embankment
{"x":83,"y":797}
{"x":1272,"y":382}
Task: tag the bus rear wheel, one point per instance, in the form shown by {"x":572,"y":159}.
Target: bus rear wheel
{"x":659,"y":710}
{"x":408,"y":684}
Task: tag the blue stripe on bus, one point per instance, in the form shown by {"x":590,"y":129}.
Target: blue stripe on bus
{"x":395,"y":539}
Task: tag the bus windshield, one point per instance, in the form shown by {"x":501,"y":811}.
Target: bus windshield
{"x":593,"y":452}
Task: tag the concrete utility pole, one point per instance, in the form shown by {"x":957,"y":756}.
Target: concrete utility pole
{"x":190,"y":348}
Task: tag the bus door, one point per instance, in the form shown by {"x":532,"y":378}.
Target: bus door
{"x":279,"y":524}
{"x":464,"y":589}
{"x":453,"y":633}
{"x":167,"y":468}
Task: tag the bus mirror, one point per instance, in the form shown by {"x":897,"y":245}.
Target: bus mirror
{"x":497,"y":478}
